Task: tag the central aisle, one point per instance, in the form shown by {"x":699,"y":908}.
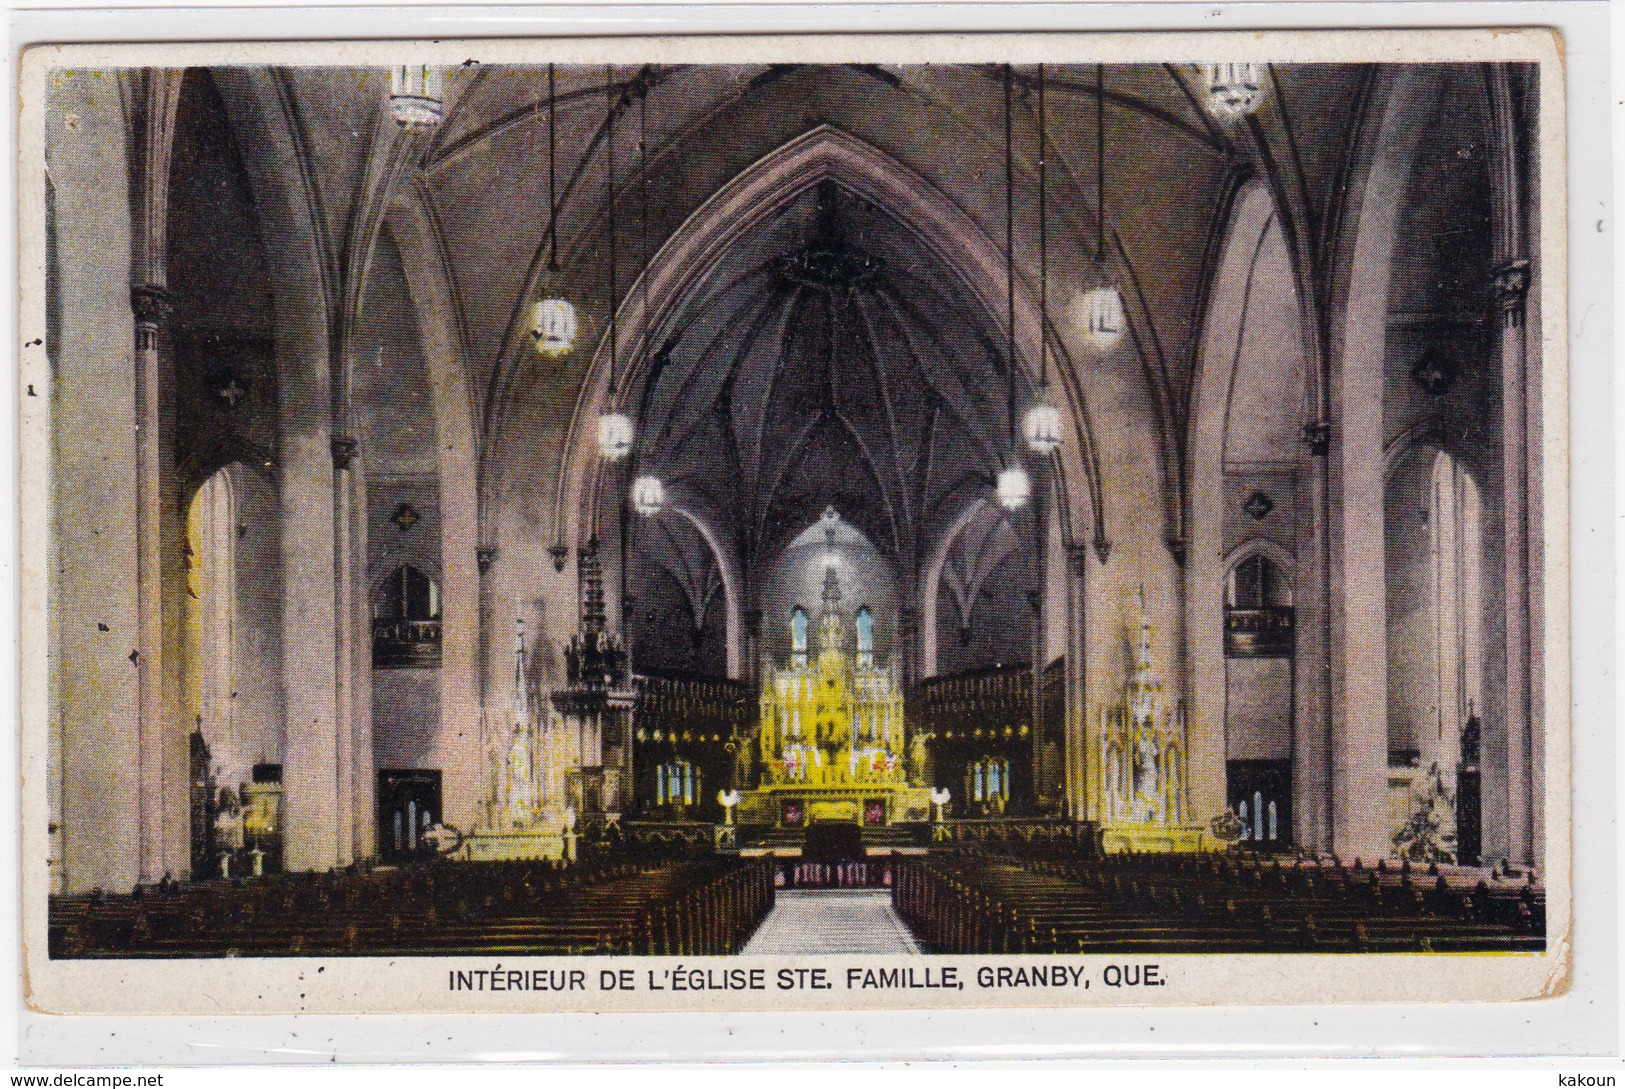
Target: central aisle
{"x":808,"y":921}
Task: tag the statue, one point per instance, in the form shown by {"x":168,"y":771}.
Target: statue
{"x":1147,"y":777}
{"x":916,"y":757}
{"x":740,"y":747}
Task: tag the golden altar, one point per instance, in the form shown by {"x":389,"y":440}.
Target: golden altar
{"x":830,"y":747}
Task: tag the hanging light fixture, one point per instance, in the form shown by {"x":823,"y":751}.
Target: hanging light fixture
{"x":1012,"y":486}
{"x":416,"y":97}
{"x":614,"y":428}
{"x":614,"y":436}
{"x":553,"y":325}
{"x":553,"y":322}
{"x":1042,"y":426}
{"x":1100,"y":307}
{"x":1233,"y":90}
{"x":648,"y":495}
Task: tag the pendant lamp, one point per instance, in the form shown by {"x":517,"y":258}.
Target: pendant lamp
{"x":553,"y":322}
{"x":648,"y":495}
{"x":1100,"y":313}
{"x":1233,"y":90}
{"x":1012,"y":486}
{"x":1042,"y":425}
{"x":416,"y":97}
{"x":614,"y":428}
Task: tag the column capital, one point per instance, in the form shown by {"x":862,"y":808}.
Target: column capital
{"x":344,"y":450}
{"x":1317,"y":436}
{"x":1176,"y":547}
{"x":1510,"y":280}
{"x":152,"y":304}
{"x":484,"y":557}
{"x":1102,"y":547}
{"x":1077,"y":559}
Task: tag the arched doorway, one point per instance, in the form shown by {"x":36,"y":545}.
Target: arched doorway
{"x":1434,"y":564}
{"x":232,"y":686}
{"x":1259,"y":625}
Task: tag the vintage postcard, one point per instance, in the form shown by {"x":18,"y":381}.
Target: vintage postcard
{"x":794,"y":522}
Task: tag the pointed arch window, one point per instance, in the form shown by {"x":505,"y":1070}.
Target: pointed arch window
{"x":798,"y":635}
{"x":866,"y":637}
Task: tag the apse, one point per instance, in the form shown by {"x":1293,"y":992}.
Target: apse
{"x":867,"y":581}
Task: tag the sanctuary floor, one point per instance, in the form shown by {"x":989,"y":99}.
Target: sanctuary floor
{"x":831,"y":921}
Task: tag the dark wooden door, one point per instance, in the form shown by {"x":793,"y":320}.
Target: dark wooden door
{"x":408,"y":806}
{"x":1260,"y":793}
{"x":1469,"y":819}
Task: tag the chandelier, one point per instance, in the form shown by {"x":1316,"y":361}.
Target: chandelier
{"x":1233,"y":90}
{"x":553,"y":320}
{"x":1014,"y":488}
{"x":1042,"y":425}
{"x":1100,"y":306}
{"x":614,"y":428}
{"x":648,"y":495}
{"x":416,"y":97}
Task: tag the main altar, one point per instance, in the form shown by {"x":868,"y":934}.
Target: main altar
{"x":831,"y":745}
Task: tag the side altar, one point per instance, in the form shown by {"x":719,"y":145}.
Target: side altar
{"x":555,"y":777}
{"x":831,"y":746}
{"x":1142,"y":779}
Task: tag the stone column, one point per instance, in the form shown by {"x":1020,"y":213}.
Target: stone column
{"x":310,"y":658}
{"x":1311,"y":668}
{"x":1076,"y":755}
{"x":344,"y":450}
{"x":908,"y":636}
{"x":1359,"y":757}
{"x":165,"y":763}
{"x":753,"y":648}
{"x":151,"y":308}
{"x":363,"y":773}
{"x":1516,"y":792}
{"x":490,"y":751}
{"x":95,"y":568}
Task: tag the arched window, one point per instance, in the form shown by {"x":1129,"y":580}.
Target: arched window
{"x":405,"y":620}
{"x":798,"y":635}
{"x":866,"y":637}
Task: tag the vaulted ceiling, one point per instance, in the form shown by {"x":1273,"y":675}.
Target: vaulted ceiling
{"x":828,"y":355}
{"x":1169,"y":165}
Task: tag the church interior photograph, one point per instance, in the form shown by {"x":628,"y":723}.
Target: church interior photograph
{"x":685,"y":509}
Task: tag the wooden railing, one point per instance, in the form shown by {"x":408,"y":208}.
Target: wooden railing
{"x":1258,"y":633}
{"x":405,"y":644}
